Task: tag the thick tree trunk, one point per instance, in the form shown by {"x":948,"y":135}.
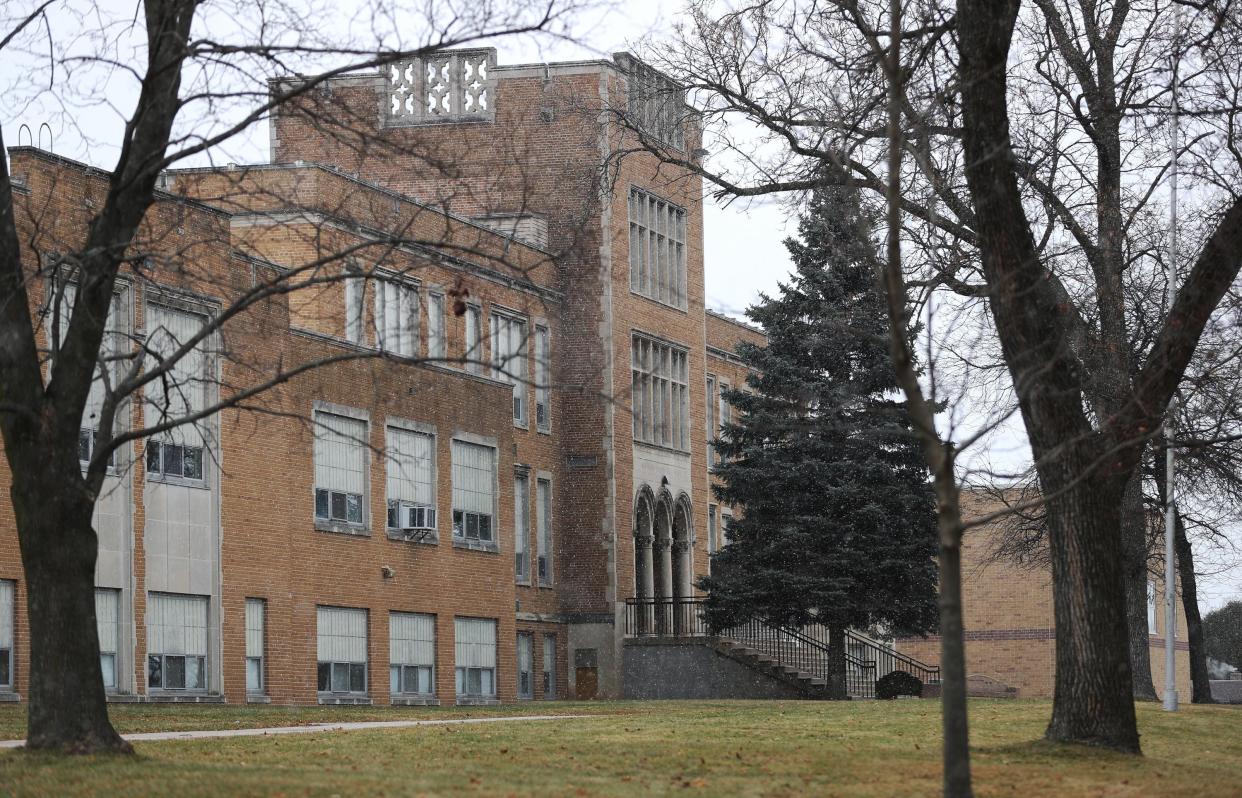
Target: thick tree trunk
{"x":1093,"y":700}
{"x":68,"y":709}
{"x":1201,"y":689}
{"x":1134,"y":550}
{"x":836,"y":664}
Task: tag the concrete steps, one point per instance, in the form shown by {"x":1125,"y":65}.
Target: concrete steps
{"x":804,"y":683}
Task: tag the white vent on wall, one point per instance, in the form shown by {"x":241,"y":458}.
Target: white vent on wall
{"x":530,"y":228}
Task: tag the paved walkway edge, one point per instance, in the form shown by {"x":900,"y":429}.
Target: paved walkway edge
{"x":316,"y":727}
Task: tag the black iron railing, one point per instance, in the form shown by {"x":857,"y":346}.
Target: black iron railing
{"x":804,"y":648}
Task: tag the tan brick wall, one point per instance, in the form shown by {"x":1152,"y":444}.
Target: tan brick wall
{"x":1009,"y":621}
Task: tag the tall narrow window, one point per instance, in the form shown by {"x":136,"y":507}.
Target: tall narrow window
{"x":411,"y":653}
{"x":713,"y":543}
{"x":657,"y":249}
{"x":176,"y":454}
{"x":256,"y":611}
{"x":549,"y":667}
{"x":543,"y":378}
{"x":475,"y":648}
{"x":435,"y":326}
{"x":474,"y":494}
{"x":396,"y":317}
{"x":660,"y":400}
{"x":544,"y":518}
{"x":521,"y":527}
{"x":473,"y":349}
{"x":114,"y":341}
{"x":355,"y":296}
{"x":711,"y":420}
{"x":7,"y":600}
{"x":342,"y":650}
{"x":411,"y":482}
{"x":340,"y":469}
{"x":177,"y":642}
{"x":1152,"y":608}
{"x":526,"y":665}
{"x":726,"y":521}
{"x":108,"y":621}
{"x":725,"y":412}
{"x":509,"y":360}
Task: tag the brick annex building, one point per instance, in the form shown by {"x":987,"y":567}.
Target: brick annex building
{"x":460,"y":531}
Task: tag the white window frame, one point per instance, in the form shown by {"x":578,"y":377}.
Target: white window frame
{"x":1153,"y":614}
{"x":543,"y":378}
{"x":465,"y":650}
{"x":510,"y":366}
{"x":659,"y":400}
{"x":713,"y":532}
{"x":435,"y":325}
{"x":325,"y":496}
{"x":657,"y":248}
{"x":400,"y":667}
{"x":187,"y":443}
{"x":466,"y":517}
{"x":352,"y":664}
{"x":549,"y":667}
{"x":525,"y":655}
{"x":711,"y":420}
{"x":8,"y":634}
{"x":355,"y":289}
{"x":521,"y":526}
{"x":256,"y":646}
{"x":472,"y":346}
{"x":543,"y":519}
{"x":396,"y":316}
{"x":167,"y":657}
{"x":395,"y":472}
{"x":108,"y":627}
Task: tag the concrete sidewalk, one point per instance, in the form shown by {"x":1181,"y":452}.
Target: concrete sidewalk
{"x":316,"y":727}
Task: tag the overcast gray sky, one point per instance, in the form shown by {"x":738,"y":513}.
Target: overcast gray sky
{"x":743,"y":251}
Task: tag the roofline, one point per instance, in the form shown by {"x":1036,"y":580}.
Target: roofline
{"x":103,"y":174}
{"x":736,"y":322}
{"x":349,"y":176}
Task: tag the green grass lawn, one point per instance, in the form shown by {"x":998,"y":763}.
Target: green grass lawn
{"x":653,"y":748}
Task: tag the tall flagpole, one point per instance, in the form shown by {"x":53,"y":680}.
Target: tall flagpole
{"x":1170,"y":463}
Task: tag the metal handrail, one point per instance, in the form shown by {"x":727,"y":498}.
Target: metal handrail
{"x":804,"y":648}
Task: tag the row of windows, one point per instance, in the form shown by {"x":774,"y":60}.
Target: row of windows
{"x":397,"y":319}
{"x":341,"y":486}
{"x":177,"y":644}
{"x":719,"y":413}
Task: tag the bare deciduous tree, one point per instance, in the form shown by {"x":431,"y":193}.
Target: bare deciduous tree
{"x":202,"y":80}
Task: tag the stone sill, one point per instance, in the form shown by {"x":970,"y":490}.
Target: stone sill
{"x":342,"y":528}
{"x":345,"y":700}
{"x":431,"y":539}
{"x":415,"y":701}
{"x":486,"y":548}
{"x":472,"y":701}
{"x":256,"y":698}
{"x":124,"y":698}
{"x":6,"y":698}
{"x":173,"y":698}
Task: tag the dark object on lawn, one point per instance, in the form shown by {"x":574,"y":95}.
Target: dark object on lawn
{"x":898,"y":683}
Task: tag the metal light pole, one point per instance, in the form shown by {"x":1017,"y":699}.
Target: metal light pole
{"x":1170,"y":463}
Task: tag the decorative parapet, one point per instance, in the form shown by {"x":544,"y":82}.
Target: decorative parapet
{"x":450,"y":86}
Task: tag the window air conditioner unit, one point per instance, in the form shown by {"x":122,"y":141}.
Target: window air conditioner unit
{"x":417,"y":519}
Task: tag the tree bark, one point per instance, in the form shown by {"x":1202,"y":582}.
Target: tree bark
{"x":1093,"y":700}
{"x":1201,"y":688}
{"x":1134,"y":551}
{"x":836,"y":664}
{"x":957,"y":780}
{"x":68,"y":709}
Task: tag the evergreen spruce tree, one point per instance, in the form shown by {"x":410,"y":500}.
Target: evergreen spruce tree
{"x":838,"y":522}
